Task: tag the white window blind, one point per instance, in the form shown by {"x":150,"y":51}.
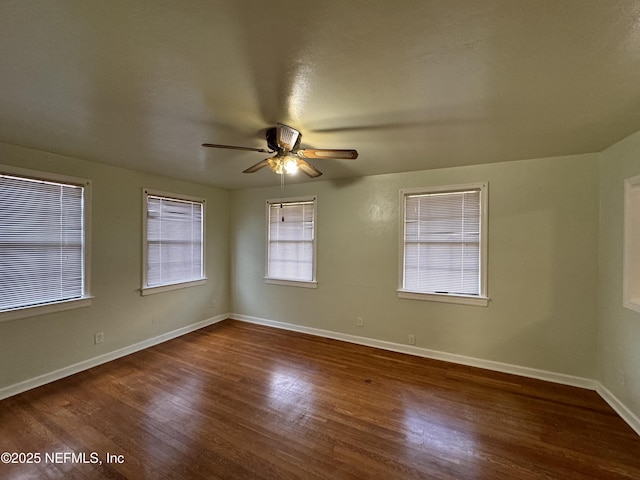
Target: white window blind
{"x":442,"y":243}
{"x":291,"y":241}
{"x":42,"y":242}
{"x":174,"y":241}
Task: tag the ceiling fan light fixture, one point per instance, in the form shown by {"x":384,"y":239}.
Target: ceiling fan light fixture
{"x":283,"y":164}
{"x":275,"y":164}
{"x":290,"y":164}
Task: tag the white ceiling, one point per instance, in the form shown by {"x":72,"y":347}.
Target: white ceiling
{"x":410,"y":84}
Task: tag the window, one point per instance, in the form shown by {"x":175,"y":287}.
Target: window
{"x":291,"y":241}
{"x":443,"y":244}
{"x":44,"y":243}
{"x":173,"y":237}
{"x":631,"y":268}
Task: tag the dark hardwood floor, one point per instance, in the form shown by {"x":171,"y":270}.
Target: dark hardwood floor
{"x":242,"y":401}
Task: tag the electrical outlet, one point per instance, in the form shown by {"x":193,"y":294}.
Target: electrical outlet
{"x":621,"y":379}
{"x":412,"y":339}
{"x":214,"y":303}
{"x":360,"y":322}
{"x":98,"y":338}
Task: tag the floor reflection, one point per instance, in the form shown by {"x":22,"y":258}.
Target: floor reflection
{"x":289,"y":393}
{"x":438,"y":431}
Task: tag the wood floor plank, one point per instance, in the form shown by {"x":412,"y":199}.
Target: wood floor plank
{"x":240,"y":401}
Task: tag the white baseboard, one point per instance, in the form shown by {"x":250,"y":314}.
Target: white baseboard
{"x":620,"y":408}
{"x":548,"y":376}
{"x":427,"y":353}
{"x":107,"y":357}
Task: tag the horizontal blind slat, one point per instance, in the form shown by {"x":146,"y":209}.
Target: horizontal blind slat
{"x":174,"y":241}
{"x":291,"y":235}
{"x":41,"y":242}
{"x":442,"y":243}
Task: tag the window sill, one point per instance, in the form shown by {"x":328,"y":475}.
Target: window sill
{"x":445,"y":298}
{"x":174,"y":286}
{"x":291,"y":283}
{"x":44,"y":309}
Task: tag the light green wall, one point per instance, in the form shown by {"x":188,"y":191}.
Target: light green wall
{"x":38,"y":345}
{"x":543,"y":259}
{"x":619,"y":348}
{"x":543,"y":250}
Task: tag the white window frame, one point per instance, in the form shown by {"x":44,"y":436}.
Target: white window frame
{"x":479,"y":300}
{"x":149,"y":290}
{"x":631,"y":262}
{"x":293,"y":283}
{"x":61,"y":305}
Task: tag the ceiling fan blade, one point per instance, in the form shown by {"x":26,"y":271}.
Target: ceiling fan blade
{"x":286,"y":136}
{"x":326,"y":153}
{"x":233,"y":147}
{"x":257,"y":166}
{"x":308,"y":169}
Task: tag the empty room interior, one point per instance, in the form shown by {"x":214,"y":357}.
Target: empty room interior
{"x":341,"y":239}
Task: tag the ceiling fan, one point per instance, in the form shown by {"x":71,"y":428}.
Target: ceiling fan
{"x":284,"y":141}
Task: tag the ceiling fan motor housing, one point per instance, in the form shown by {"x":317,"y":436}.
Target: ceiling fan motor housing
{"x":274,"y":144}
